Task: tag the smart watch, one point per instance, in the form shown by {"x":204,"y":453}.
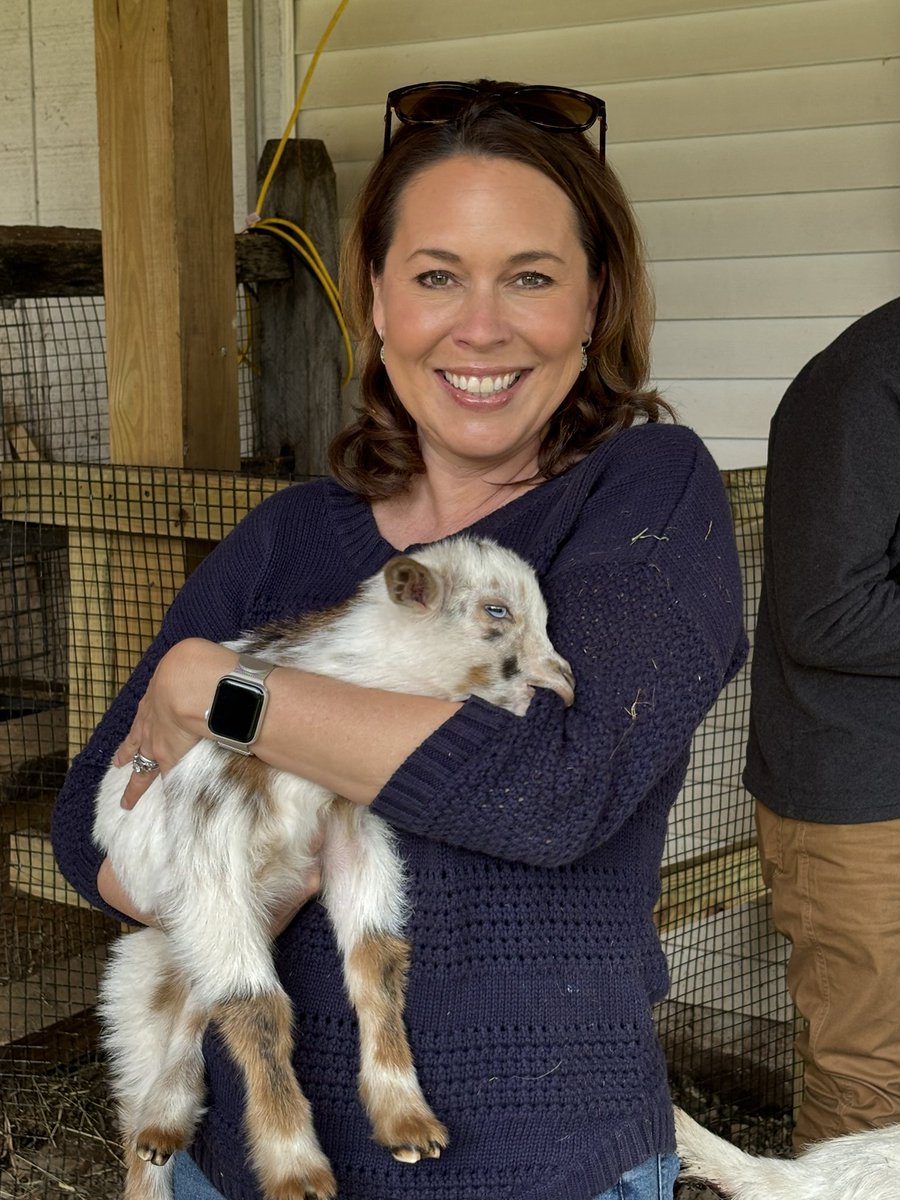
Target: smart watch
{"x":235,"y":716}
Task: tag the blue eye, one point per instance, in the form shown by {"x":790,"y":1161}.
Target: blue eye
{"x":498,"y":611}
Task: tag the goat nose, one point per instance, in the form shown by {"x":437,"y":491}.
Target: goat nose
{"x":567,"y":688}
{"x":567,"y":691}
{"x":558,"y":677}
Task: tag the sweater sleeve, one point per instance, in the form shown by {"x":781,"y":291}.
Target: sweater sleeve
{"x":833,"y":507}
{"x":213,"y":604}
{"x":652,"y":632}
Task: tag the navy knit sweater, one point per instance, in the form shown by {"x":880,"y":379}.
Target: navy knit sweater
{"x":533,"y":843}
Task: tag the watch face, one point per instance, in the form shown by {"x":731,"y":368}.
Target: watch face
{"x":236,"y":710}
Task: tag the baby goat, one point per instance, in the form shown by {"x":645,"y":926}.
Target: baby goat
{"x":857,"y":1166}
{"x":227,"y":839}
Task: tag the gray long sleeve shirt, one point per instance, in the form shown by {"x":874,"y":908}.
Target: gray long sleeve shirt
{"x":824,"y":739}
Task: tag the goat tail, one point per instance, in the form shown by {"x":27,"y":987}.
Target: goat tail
{"x":709,"y":1157}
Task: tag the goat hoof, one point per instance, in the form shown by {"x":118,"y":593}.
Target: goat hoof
{"x":150,"y":1154}
{"x":414,"y":1154}
{"x":157,"y":1146}
{"x":407,"y":1154}
{"x":318,"y":1185}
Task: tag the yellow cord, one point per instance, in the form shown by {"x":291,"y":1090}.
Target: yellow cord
{"x":287,"y":230}
{"x":244,"y":358}
{"x":301,"y":96}
{"x":279,"y":227}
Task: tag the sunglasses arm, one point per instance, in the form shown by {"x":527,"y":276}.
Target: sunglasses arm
{"x":387,"y":128}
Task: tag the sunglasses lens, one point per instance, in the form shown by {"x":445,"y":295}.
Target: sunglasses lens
{"x":428,"y":106}
{"x":553,"y":110}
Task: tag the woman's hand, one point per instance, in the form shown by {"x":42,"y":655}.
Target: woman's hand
{"x":115,"y":895}
{"x":171,"y":717}
{"x":288,"y":909}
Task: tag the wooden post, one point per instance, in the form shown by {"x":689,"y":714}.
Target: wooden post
{"x":300,"y":347}
{"x":169,"y":280}
{"x":168,"y":246}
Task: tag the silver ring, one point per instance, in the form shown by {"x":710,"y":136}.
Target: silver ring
{"x":141,"y":765}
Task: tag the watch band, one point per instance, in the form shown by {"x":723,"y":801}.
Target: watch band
{"x":253,"y":667}
{"x":233,"y":718}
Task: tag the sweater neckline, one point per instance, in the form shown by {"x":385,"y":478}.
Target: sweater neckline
{"x":367,"y":549}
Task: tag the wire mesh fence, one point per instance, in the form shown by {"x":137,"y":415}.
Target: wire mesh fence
{"x":91,"y":554}
{"x":727,"y":1023}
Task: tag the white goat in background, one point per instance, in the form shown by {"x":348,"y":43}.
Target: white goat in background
{"x":857,"y":1166}
{"x":228,"y":839}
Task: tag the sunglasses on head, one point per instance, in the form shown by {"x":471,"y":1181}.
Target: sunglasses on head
{"x":555,"y":109}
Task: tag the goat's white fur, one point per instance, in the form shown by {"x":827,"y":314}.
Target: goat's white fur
{"x":214,"y":851}
{"x":857,"y":1166}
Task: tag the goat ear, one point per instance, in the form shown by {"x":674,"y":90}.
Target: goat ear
{"x":411,"y":583}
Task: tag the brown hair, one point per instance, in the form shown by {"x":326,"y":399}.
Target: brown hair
{"x":377,"y":455}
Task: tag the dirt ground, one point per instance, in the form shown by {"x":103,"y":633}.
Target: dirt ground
{"x":56,"y":1136}
{"x":56,"y":1130}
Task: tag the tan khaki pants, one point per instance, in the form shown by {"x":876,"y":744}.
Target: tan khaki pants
{"x":836,"y":897}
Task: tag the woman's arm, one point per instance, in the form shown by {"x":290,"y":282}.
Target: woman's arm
{"x":346,"y":738}
{"x":216,"y":602}
{"x":550,"y":787}
{"x":645,"y":602}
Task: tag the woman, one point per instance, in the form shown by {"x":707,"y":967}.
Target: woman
{"x":497,"y":281}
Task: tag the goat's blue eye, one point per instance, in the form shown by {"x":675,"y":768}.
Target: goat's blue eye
{"x":498,"y":611}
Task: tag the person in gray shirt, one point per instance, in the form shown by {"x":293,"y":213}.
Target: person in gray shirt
{"x":823,"y":756}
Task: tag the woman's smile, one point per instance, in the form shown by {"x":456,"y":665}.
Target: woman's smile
{"x":482,"y":391}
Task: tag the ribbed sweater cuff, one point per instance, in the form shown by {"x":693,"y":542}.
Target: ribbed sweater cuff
{"x":407,"y":796}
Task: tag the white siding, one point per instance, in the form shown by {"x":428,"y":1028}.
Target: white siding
{"x":48,"y":136}
{"x":760,"y":142}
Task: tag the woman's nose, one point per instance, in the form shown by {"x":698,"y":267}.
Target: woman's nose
{"x":481,"y":321}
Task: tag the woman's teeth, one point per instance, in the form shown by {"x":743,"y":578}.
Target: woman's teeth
{"x":485,"y":385}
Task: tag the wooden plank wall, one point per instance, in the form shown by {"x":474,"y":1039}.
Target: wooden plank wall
{"x":759,"y":139}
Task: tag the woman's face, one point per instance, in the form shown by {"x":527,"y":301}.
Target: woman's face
{"x":484,"y":303}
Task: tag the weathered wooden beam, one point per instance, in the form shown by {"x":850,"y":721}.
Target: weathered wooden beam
{"x":44,"y":261}
{"x":156,"y":501}
{"x":164,"y":132}
{"x":49,"y":261}
{"x":709,"y":884}
{"x":53,"y":1045}
{"x":299,"y":397}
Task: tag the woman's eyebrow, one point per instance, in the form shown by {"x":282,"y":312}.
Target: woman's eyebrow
{"x":531,"y":256}
{"x":522,"y":257}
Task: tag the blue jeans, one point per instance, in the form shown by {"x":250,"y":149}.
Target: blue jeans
{"x":652,"y":1180}
{"x":191,"y":1183}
